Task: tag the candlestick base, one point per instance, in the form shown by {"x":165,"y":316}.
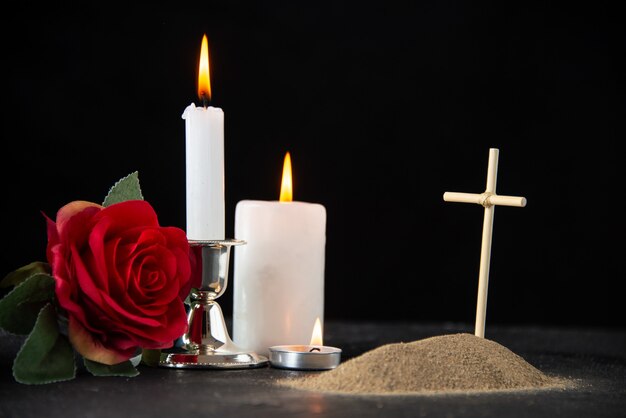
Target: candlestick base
{"x":206,"y":344}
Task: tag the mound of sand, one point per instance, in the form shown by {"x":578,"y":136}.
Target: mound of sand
{"x":447,"y":363}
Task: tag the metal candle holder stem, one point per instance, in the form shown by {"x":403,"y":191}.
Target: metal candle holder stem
{"x":206,"y":344}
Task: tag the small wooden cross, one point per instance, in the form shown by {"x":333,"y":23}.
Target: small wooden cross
{"x":488,"y":200}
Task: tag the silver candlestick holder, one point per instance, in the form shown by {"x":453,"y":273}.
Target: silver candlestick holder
{"x":206,"y":344}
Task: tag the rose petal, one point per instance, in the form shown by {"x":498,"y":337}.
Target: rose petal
{"x":172,"y":326}
{"x":97,"y":245}
{"x":68,"y":211}
{"x":129,"y":215}
{"x":84,"y":279}
{"x":91,"y":348}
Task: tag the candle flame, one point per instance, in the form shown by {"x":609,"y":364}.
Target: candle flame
{"x":316,"y":337}
{"x":204,"y":77}
{"x":286,"y":186}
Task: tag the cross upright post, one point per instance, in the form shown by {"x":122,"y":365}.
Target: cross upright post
{"x":489,"y":199}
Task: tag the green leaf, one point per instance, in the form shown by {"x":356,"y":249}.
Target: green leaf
{"x":187,"y":300}
{"x":125,"y":189}
{"x":124,"y":368}
{"x":21,"y":274}
{"x":150,"y":357}
{"x":20,"y":307}
{"x":46,"y":355}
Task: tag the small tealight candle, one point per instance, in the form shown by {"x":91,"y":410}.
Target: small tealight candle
{"x":314,"y":356}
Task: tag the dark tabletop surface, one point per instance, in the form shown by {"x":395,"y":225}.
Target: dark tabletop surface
{"x":594,"y":358}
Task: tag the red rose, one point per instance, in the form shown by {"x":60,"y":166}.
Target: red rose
{"x":120,"y":277}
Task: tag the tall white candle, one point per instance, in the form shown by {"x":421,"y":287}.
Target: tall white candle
{"x":279,"y":274}
{"x":204,"y":149}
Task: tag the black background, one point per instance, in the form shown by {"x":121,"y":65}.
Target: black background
{"x":383,"y":108}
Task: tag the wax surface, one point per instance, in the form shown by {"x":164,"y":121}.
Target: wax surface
{"x":204,"y":149}
{"x":279,"y":274}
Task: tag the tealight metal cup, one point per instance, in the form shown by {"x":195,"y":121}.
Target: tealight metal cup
{"x":304,"y":357}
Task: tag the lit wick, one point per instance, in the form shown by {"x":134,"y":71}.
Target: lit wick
{"x":316,"y":335}
{"x":204,"y":76}
{"x":205,"y":101}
